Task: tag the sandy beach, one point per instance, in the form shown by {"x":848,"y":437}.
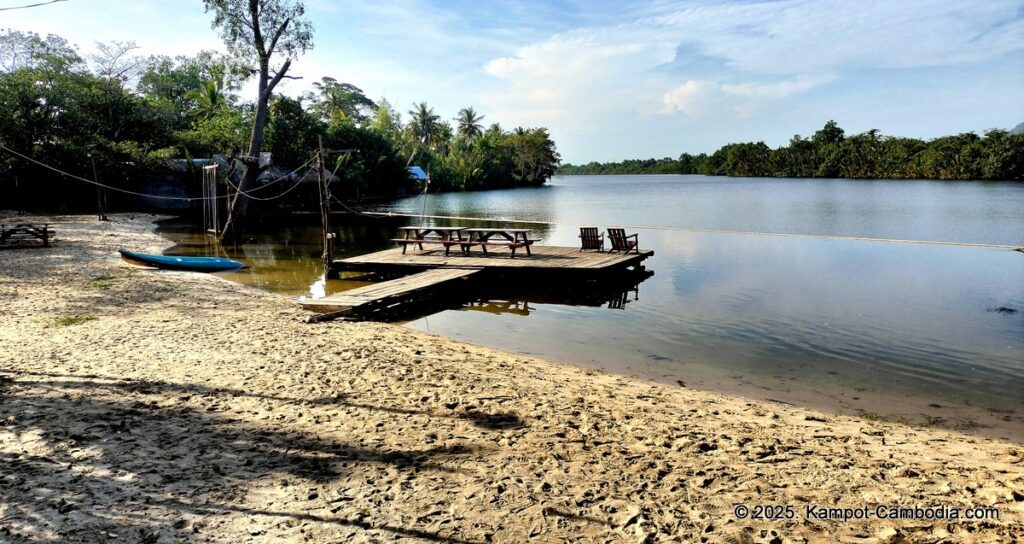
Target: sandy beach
{"x":151,"y":406}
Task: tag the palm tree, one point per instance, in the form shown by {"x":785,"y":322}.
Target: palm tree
{"x":424,"y":123}
{"x":469,"y":123}
{"x":208,"y":99}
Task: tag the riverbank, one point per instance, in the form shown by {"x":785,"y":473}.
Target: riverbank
{"x":152,"y":406}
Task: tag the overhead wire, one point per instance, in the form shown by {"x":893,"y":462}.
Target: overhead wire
{"x":165,"y":197}
{"x":36,"y":5}
{"x":275,"y":197}
{"x":370,"y":215}
{"x":103,"y":185}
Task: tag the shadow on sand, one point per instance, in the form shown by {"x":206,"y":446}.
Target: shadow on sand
{"x":130,"y":458}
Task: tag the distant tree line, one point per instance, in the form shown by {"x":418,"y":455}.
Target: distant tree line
{"x":132,"y":114}
{"x":830,"y":153}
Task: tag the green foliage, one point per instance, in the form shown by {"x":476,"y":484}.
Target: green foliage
{"x":333,"y":101}
{"x":686,"y":164}
{"x":256,"y":29}
{"x":55,"y":108}
{"x":373,"y":167}
{"x":72,"y":320}
{"x":829,"y":153}
{"x":469,"y":122}
{"x":292,"y":132}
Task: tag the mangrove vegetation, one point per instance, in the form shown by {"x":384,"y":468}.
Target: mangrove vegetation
{"x":830,"y":153}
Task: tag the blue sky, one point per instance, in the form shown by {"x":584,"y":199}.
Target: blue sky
{"x":616,"y":80}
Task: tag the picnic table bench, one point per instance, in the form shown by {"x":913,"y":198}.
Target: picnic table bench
{"x":24,"y":234}
{"x":510,"y":238}
{"x":465,"y":238}
{"x":419,"y":235}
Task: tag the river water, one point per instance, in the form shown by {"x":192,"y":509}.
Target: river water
{"x":777,"y":289}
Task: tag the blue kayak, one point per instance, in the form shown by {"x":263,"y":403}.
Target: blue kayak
{"x":171,"y":262}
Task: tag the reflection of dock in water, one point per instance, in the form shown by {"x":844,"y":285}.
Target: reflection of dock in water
{"x":614,"y":296}
{"x":430,"y":280}
{"x":499,"y":307}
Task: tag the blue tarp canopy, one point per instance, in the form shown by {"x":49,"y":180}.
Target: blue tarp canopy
{"x":417,"y":173}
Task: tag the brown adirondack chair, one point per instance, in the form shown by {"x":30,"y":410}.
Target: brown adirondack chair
{"x":621,"y":242}
{"x":590,"y":239}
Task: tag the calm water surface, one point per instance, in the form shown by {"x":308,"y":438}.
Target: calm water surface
{"x":916,"y":331}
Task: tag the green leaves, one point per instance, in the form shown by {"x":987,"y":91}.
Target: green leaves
{"x":829,"y":153}
{"x":257,"y":29}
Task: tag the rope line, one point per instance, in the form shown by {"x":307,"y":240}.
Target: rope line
{"x":286,"y":176}
{"x":163,"y":197}
{"x":286,"y":191}
{"x":709,"y":231}
{"x":98,"y":184}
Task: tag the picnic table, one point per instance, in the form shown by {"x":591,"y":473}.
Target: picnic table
{"x":465,"y":238}
{"x":510,"y":238}
{"x":419,"y":235}
{"x":25,"y":233}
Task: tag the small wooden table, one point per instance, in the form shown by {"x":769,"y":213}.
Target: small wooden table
{"x":419,"y":235}
{"x":23,"y":233}
{"x":511,"y":238}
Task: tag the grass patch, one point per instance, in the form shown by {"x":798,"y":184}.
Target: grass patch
{"x":103,"y":282}
{"x":70,"y":320}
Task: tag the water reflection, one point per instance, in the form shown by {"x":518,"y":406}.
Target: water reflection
{"x":839,"y":324}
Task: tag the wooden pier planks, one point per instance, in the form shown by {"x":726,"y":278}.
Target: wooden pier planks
{"x":544,"y":257}
{"x":383,"y":294}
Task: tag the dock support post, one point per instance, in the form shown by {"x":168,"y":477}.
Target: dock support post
{"x":101,"y":193}
{"x":325,"y":211}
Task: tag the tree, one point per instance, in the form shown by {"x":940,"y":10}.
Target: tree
{"x":388,"y":123}
{"x":191,"y":88}
{"x":534,"y":156}
{"x":469,"y":123}
{"x":424,"y":124}
{"x":292,"y":132}
{"x":254,"y":31}
{"x":116,"y":63}
{"x":334,"y":100}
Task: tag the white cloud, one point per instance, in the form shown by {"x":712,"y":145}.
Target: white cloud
{"x":702,"y":99}
{"x":694,"y":98}
{"x":779,"y":89}
{"x":736,"y":59}
{"x":652,"y":77}
{"x":574,"y":74}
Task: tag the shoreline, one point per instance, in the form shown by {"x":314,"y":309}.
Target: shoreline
{"x":194,"y":408}
{"x":840,"y":394}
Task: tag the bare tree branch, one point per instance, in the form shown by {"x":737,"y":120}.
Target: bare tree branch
{"x":278,"y":77}
{"x":277,"y":36}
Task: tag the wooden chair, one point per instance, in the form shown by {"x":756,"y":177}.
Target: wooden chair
{"x":590,"y":239}
{"x":621,"y":242}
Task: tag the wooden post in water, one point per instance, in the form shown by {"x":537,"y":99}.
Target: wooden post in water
{"x":101,"y":193}
{"x":325,"y":210}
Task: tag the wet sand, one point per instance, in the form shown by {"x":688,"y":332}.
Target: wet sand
{"x":152,"y":406}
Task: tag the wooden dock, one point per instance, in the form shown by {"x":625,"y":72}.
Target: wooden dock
{"x":383,"y":295}
{"x":428,"y":276}
{"x":544,"y":258}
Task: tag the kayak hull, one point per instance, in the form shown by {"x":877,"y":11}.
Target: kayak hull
{"x":171,"y":262}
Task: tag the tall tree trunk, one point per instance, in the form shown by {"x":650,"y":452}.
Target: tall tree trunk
{"x":239,"y":207}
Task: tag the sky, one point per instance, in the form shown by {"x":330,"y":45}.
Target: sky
{"x":614,"y":80}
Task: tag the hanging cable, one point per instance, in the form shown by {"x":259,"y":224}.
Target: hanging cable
{"x":36,"y":5}
{"x":286,"y":176}
{"x":163,"y":197}
{"x":286,"y":191}
{"x":105,"y":186}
